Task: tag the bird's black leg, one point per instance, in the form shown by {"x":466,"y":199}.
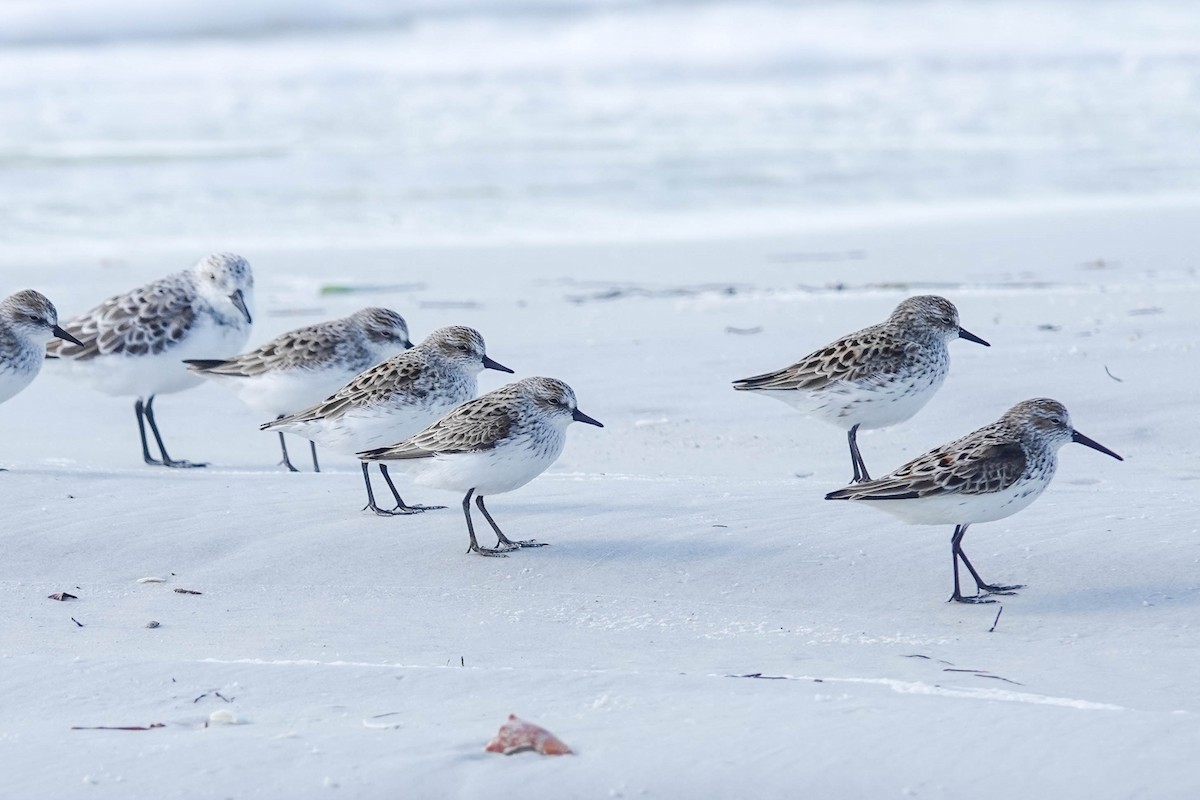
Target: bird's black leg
{"x":501,"y":539}
{"x":474,"y":547}
{"x":139,"y":408}
{"x":371,"y":494}
{"x":956,"y":552}
{"x":283,"y":446}
{"x":167,"y":461}
{"x":316,"y":466}
{"x":860,"y":468}
{"x":401,"y":506}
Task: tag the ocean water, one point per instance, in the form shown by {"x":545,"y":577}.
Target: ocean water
{"x":462,"y":121}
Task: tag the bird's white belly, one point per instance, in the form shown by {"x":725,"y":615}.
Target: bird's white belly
{"x":284,"y":392}
{"x":962,"y":509}
{"x":19,"y":373}
{"x":501,"y":469}
{"x":368,"y":428}
{"x":846,"y":404}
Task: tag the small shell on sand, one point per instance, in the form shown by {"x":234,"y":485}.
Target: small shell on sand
{"x":151,"y":580}
{"x":516,"y":735}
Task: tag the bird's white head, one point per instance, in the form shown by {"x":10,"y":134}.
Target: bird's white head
{"x":930,"y":315}
{"x":556,"y":400}
{"x":227,"y":283}
{"x":32,"y":316}
{"x":1047,"y":421}
{"x":385,"y":329}
{"x":463,"y":347}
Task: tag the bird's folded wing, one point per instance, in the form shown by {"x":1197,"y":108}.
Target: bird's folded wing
{"x":145,"y":321}
{"x":967,"y":466}
{"x":865,"y":356}
{"x":472,"y":427}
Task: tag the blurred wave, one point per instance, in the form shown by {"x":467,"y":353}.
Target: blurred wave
{"x":714,"y":30}
{"x":451,"y":120}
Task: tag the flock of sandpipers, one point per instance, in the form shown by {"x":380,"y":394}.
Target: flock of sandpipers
{"x":358,"y":386}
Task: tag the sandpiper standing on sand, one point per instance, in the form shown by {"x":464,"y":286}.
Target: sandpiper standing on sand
{"x":300,"y":367}
{"x":496,"y":443}
{"x":395,"y":399}
{"x":874,"y":378}
{"x":984,"y":476}
{"x":135,"y":343}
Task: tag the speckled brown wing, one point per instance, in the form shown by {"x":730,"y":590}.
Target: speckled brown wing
{"x":982,"y":462}
{"x":302,"y":348}
{"x":397,"y":375}
{"x":869,"y":355}
{"x":475,"y":425}
{"x":145,"y":321}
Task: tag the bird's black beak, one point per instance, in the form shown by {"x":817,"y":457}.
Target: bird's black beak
{"x":496,"y":365}
{"x":240,"y":303}
{"x":579,"y":416}
{"x":407,"y":344}
{"x":61,"y":334}
{"x":963,"y":333}
{"x":1079,"y":438}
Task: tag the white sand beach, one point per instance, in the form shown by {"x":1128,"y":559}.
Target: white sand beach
{"x":691,"y":548}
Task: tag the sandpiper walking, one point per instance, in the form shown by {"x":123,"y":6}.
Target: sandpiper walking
{"x":395,"y":399}
{"x":496,"y":443}
{"x":27,"y":318}
{"x":874,"y":378}
{"x":984,"y":476}
{"x":300,"y":367}
{"x":135,"y":343}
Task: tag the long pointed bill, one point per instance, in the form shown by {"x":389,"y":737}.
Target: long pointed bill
{"x":496,"y":365}
{"x":240,"y":303}
{"x":579,"y":416}
{"x":61,"y":334}
{"x":963,"y":333}
{"x":1078,"y":437}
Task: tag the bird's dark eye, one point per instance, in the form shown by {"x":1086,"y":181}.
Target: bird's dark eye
{"x":35,"y":318}
{"x":462,"y":348}
{"x":948,"y":320}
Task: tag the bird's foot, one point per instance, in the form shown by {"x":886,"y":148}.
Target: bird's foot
{"x":988,"y":588}
{"x":977,"y":599}
{"x":383,"y":512}
{"x":486,"y":551}
{"x":289,"y":465}
{"x":509,"y":544}
{"x":176,"y":463}
{"x":417,"y":509}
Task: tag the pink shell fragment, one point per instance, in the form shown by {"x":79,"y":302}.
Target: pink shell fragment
{"x":517,"y":735}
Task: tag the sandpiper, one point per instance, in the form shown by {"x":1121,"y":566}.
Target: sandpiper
{"x":135,"y":343}
{"x":395,"y":399}
{"x":26,"y":319}
{"x":984,"y":476}
{"x":496,"y":443}
{"x":300,"y":367}
{"x":874,"y":378}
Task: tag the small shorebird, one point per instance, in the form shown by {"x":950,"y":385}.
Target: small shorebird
{"x":26,"y":319}
{"x":496,"y":443}
{"x":984,"y":476}
{"x":395,"y":399}
{"x":300,"y":367}
{"x":135,"y":343}
{"x":874,"y":378}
